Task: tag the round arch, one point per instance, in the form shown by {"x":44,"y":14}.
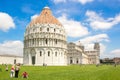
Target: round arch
{"x":33,"y":56}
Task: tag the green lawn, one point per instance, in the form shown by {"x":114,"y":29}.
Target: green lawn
{"x":72,"y":72}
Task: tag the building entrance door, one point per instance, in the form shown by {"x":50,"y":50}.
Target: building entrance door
{"x":14,"y":61}
{"x":33,"y":60}
{"x":33,"y":57}
{"x":71,"y":61}
{"x":77,"y":61}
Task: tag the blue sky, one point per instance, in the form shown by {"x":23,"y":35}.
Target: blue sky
{"x":87,"y":21}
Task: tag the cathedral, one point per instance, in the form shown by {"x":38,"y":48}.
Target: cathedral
{"x":45,"y":43}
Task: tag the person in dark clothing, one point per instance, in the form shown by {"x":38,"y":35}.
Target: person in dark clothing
{"x":17,"y":68}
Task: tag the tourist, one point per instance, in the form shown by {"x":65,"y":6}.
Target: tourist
{"x":12,"y":71}
{"x":97,"y":65}
{"x":25,"y":75}
{"x":6,"y":68}
{"x":115,"y":65}
{"x":17,"y":68}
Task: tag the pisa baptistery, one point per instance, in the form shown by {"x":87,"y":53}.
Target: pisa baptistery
{"x":45,"y":41}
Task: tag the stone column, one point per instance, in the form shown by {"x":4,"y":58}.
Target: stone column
{"x":30,"y":42}
{"x":35,"y":42}
{"x":42,"y":42}
{"x":36,"y":58}
{"x":52,"y":42}
{"x":52,"y":57}
{"x":29,"y":59}
{"x":48,"y":42}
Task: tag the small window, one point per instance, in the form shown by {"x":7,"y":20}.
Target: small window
{"x":46,"y":41}
{"x":40,"y":29}
{"x":56,"y":41}
{"x":40,"y":53}
{"x":55,"y":53}
{"x":48,"y":53}
{"x":54,"y":30}
{"x":47,"y":29}
{"x":33,"y":30}
{"x":33,"y":41}
{"x":70,"y":57}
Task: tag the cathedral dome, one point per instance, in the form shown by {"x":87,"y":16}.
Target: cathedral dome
{"x":45,"y":17}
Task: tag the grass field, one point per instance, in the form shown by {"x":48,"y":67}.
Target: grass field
{"x":72,"y":72}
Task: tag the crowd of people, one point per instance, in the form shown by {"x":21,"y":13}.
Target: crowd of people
{"x":14,"y":71}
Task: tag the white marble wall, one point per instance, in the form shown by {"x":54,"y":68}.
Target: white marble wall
{"x":10,"y":59}
{"x":44,"y":38}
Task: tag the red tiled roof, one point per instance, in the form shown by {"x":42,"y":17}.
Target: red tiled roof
{"x":45,"y":17}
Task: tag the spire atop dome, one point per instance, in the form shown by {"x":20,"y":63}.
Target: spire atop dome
{"x":45,"y":17}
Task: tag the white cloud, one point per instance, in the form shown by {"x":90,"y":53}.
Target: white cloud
{"x":6,"y":22}
{"x":59,"y":1}
{"x":101,"y":25}
{"x":80,"y":1}
{"x":95,"y":38}
{"x":72,"y":27}
{"x":102,"y":49}
{"x":112,"y":54}
{"x":12,"y":47}
{"x":83,"y":1}
{"x":115,"y":53}
{"x":97,"y":22}
{"x":34,"y":16}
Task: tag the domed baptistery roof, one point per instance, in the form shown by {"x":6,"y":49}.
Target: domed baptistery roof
{"x":45,"y":17}
{"x":45,"y":34}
